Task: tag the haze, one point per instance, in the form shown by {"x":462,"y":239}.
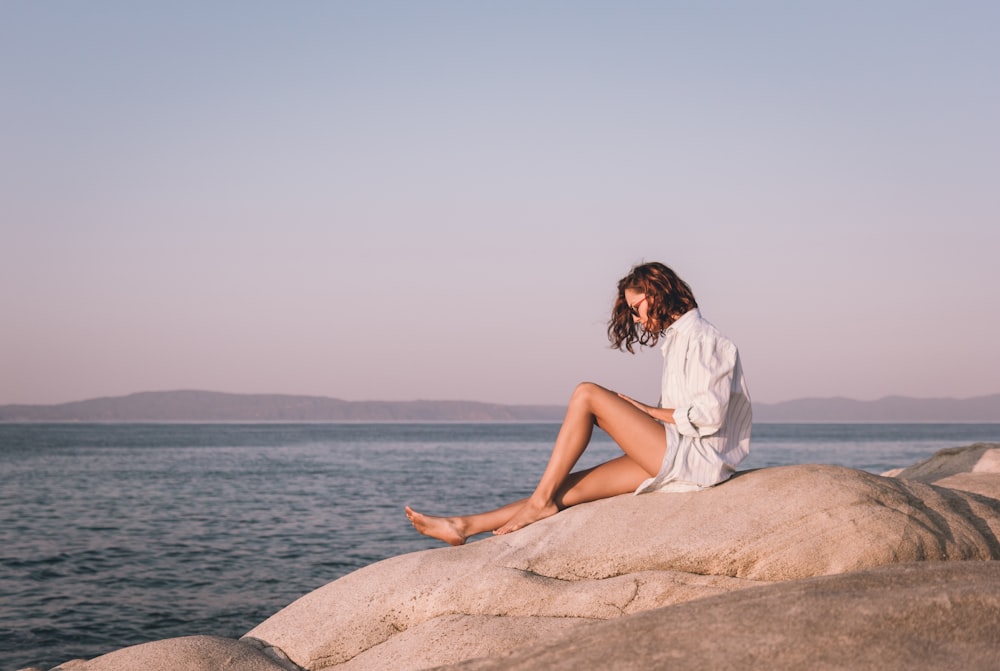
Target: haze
{"x":434,"y":200}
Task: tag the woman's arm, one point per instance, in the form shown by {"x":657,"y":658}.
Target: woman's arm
{"x":710,"y":365}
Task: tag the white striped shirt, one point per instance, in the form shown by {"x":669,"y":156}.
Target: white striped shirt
{"x":703,"y":382}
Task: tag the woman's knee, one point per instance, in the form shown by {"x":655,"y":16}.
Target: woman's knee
{"x":586,"y":392}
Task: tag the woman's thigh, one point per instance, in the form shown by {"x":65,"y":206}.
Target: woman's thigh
{"x":641,"y":437}
{"x":617,"y":476}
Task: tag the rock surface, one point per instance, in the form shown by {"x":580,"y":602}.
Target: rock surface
{"x":793,"y":567}
{"x":971,"y":469}
{"x":928,"y":616}
{"x":631,"y":554}
{"x":188,"y":653}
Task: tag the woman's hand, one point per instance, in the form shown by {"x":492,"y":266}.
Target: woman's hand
{"x":642,"y":406}
{"x":665,"y":415}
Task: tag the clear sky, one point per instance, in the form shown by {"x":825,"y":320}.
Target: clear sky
{"x":434,"y":200}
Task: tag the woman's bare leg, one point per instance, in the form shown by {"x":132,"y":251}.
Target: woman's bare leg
{"x":455,"y":530}
{"x":641,"y":437}
{"x":614,"y":477}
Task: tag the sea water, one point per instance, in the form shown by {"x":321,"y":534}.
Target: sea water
{"x":118,"y":534}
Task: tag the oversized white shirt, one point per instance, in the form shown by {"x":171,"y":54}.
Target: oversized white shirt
{"x":703,"y":382}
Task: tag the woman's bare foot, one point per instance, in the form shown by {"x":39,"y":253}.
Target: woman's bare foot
{"x":529,"y":513}
{"x":447,"y":529}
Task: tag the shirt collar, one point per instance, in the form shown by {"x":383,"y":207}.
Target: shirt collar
{"x":684,"y":323}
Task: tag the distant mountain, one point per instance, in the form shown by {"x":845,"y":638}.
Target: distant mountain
{"x":889,"y":409}
{"x":207,"y":406}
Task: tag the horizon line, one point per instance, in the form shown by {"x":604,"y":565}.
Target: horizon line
{"x":458,"y":400}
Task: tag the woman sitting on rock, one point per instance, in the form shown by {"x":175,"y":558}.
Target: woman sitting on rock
{"x":694,"y":439}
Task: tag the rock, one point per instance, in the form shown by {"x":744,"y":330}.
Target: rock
{"x":453,"y":638}
{"x":623,"y":556}
{"x":782,"y":568}
{"x":188,"y":653}
{"x":927,"y":616}
{"x":973,"y":469}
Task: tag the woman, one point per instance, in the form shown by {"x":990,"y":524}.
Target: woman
{"x":694,"y":438}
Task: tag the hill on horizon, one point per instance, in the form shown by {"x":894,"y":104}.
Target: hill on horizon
{"x":890,"y":409}
{"x":208,"y":406}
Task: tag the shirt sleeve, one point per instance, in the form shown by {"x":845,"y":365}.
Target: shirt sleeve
{"x":708,"y":379}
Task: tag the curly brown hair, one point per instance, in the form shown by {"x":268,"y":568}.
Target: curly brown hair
{"x":667,"y":298}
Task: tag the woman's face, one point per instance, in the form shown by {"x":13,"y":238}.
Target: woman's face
{"x":638,"y":305}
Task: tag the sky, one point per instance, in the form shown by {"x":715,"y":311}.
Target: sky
{"x":435,"y":200}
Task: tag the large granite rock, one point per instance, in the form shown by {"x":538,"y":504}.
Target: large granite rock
{"x":972,"y":469}
{"x":623,"y":556}
{"x":918,"y":617}
{"x":807,"y":566}
{"x":187,"y":653}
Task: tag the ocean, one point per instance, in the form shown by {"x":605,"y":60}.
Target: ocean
{"x":117,"y":534}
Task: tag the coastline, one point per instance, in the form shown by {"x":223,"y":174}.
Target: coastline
{"x":191,"y":406}
{"x":874,"y":531}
